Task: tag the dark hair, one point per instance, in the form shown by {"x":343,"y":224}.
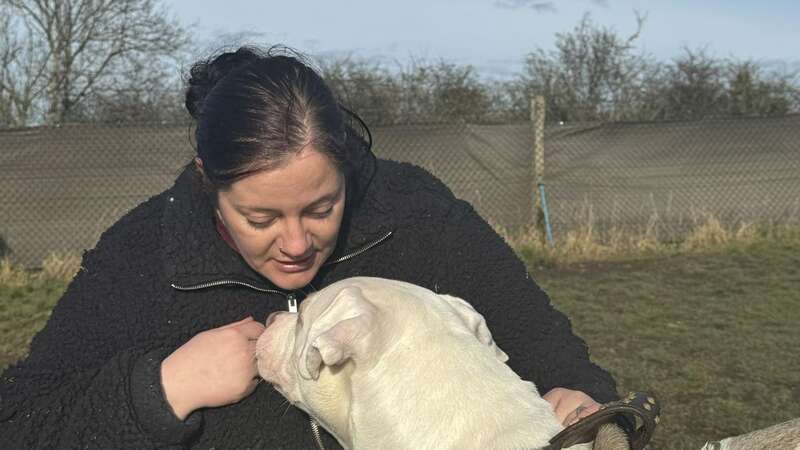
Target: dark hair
{"x":255,"y":108}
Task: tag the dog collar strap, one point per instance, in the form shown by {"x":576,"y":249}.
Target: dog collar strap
{"x":641,"y":405}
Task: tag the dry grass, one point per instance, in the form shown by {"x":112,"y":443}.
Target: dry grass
{"x":586,"y":243}
{"x":61,"y":266}
{"x":56,"y":267}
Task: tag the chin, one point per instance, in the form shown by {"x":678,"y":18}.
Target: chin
{"x":292,"y":281}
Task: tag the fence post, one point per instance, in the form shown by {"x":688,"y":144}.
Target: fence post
{"x":540,"y":212}
{"x":537,"y":121}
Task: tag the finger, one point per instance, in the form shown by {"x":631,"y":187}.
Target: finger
{"x":570,"y":419}
{"x":252,"y":386}
{"x":251,"y":348}
{"x":589,"y":410}
{"x":252,"y":330}
{"x":237,"y":323}
{"x":562,"y":413}
{"x":554,"y":397}
{"x":254,"y":374}
{"x":580,"y":412}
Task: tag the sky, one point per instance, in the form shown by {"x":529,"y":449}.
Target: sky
{"x":494,"y":36}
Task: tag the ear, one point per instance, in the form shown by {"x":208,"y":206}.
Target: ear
{"x":475,"y":323}
{"x":200,"y":169}
{"x":340,"y":333}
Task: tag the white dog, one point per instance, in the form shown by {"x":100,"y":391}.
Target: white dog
{"x":783,"y":436}
{"x":383,"y":364}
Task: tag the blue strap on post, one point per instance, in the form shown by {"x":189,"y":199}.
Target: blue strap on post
{"x":547,"y":228}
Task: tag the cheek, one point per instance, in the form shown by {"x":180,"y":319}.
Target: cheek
{"x":328,"y":230}
{"x":249,"y":241}
{"x":253,"y":243}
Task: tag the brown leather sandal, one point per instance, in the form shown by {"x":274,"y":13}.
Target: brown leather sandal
{"x":642,"y":406}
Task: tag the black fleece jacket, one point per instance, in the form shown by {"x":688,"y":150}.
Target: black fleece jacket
{"x":163,"y":274}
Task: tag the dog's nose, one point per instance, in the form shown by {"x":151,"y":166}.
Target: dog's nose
{"x":271,"y":318}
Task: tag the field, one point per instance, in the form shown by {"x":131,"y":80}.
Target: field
{"x":713,"y":332}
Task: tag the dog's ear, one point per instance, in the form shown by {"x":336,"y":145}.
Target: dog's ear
{"x":475,"y":322}
{"x":338,"y":333}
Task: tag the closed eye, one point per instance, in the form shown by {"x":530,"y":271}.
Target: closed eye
{"x":260,"y":223}
{"x":321,"y":214}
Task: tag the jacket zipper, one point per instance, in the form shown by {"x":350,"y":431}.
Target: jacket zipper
{"x":291,"y":298}
{"x":359,"y":251}
{"x":315,"y":432}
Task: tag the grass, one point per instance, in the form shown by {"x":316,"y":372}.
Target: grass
{"x":713,"y":333}
{"x":24,"y":309}
{"x":709,"y":324}
{"x":26,"y":299}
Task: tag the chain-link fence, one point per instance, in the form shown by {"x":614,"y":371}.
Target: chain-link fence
{"x":666,"y":178}
{"x":61,"y":187}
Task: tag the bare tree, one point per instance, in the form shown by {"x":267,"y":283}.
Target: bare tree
{"x":751,"y":91}
{"x":365,"y":87}
{"x":417,"y":92}
{"x":693,"y":87}
{"x":593,"y":74}
{"x":697,"y":85}
{"x":441,"y":91}
{"x":458,"y":93}
{"x":84,"y":42}
{"x":144,"y":94}
{"x":22,"y":72}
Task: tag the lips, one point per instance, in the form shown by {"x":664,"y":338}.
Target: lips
{"x":298,"y":265}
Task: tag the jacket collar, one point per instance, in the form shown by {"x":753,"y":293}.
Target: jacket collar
{"x":196,"y":253}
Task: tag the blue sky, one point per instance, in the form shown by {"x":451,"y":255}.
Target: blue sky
{"x":495,"y":35}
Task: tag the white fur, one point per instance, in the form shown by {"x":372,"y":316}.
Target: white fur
{"x":783,"y":436}
{"x":383,"y":364}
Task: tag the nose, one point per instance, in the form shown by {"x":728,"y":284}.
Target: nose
{"x":295,"y":242}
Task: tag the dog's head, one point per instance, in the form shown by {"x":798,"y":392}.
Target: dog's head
{"x":345,"y":329}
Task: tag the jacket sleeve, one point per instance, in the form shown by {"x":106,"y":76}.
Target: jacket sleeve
{"x":88,"y":382}
{"x":481,"y":268}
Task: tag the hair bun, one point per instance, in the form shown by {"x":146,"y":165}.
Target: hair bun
{"x":204,"y":75}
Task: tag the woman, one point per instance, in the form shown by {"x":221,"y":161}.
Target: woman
{"x":152,"y":343}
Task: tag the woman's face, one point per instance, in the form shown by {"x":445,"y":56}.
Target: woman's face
{"x":285,"y":221}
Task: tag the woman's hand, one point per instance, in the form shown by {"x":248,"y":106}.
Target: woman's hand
{"x":570,"y":405}
{"x":214,"y":368}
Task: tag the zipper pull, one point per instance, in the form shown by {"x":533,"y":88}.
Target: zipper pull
{"x":291,"y":301}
